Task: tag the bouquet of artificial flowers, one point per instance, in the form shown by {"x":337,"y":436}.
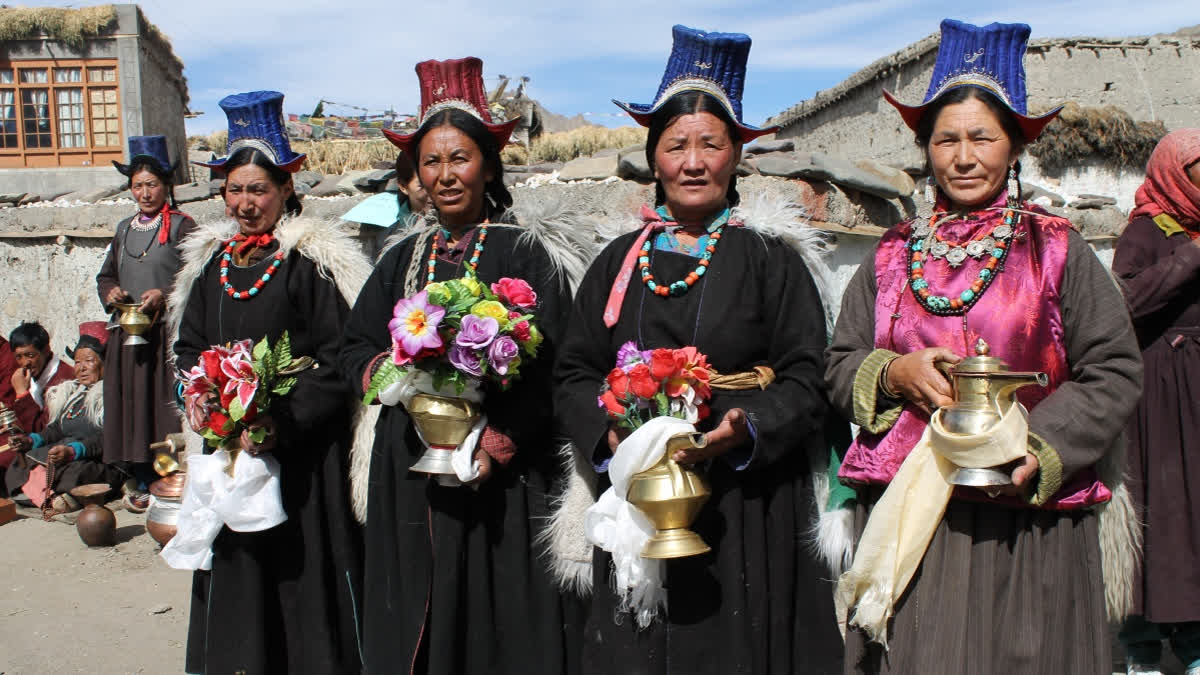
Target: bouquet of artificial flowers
{"x":656,"y":383}
{"x":461,"y":333}
{"x":246,"y":377}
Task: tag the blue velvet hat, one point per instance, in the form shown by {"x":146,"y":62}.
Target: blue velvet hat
{"x":256,"y":121}
{"x":990,"y":57}
{"x":152,"y":148}
{"x":712,"y":63}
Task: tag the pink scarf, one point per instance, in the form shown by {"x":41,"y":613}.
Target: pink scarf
{"x":1168,"y":189}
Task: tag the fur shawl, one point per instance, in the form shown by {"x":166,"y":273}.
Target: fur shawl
{"x":563,"y":538}
{"x":338,"y":257}
{"x":58,"y":396}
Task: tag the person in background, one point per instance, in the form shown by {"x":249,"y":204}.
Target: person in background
{"x":38,"y":369}
{"x":1158,"y":263}
{"x":8,"y":365}
{"x":412,"y":200}
{"x":140,"y":266}
{"x":69,"y":444}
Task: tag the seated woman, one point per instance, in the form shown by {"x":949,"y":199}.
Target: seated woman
{"x":66,"y":452}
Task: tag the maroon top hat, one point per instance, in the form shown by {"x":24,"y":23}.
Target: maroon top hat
{"x":93,"y":335}
{"x":454,"y":83}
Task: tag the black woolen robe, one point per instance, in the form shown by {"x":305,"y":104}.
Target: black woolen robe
{"x":453,"y":581}
{"x":759,"y":602}
{"x":282,"y":600}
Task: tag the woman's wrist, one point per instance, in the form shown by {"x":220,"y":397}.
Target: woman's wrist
{"x":883,"y":377}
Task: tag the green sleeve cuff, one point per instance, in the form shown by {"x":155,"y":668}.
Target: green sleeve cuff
{"x":1050,"y":471}
{"x":867,"y":397}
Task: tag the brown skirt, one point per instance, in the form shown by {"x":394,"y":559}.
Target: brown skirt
{"x":1000,"y":591}
{"x":139,"y":396}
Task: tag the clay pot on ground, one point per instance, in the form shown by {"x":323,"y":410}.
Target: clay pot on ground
{"x":96,"y":525}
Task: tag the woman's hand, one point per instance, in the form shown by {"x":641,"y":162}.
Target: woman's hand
{"x":615,"y":436}
{"x":915,"y":377}
{"x":197,"y":408}
{"x":60,"y":454}
{"x":116,"y":294}
{"x":485,"y":468}
{"x":152,"y":301}
{"x":729,"y":434}
{"x":267,"y":424}
{"x":1023,"y":477}
{"x":20,"y":442}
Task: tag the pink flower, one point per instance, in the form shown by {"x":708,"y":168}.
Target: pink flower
{"x":515,"y":292}
{"x":414,"y":324}
{"x":242,"y":378}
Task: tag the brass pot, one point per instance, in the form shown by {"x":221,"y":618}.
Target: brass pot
{"x":133,"y":321}
{"x":984,"y":390}
{"x":671,"y":496}
{"x":443,"y":423}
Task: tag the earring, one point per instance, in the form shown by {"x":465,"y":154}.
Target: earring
{"x":1014,"y":186}
{"x":930,"y":190}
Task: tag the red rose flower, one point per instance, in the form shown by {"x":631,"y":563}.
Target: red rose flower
{"x":662,"y":363}
{"x":212,"y":366}
{"x":618,"y":383}
{"x":642,"y":382}
{"x":217,"y":421}
{"x":611,"y":404}
{"x":521,"y":331}
{"x":515,"y":292}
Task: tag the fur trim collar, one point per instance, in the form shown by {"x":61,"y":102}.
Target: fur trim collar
{"x":58,"y":396}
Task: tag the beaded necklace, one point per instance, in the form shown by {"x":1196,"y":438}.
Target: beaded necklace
{"x":227,"y":258}
{"x":136,"y":225}
{"x":75,"y":407}
{"x":956,"y":303}
{"x":678,"y":288}
{"x":472,"y":264}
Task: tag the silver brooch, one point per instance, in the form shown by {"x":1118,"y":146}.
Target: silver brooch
{"x":1002,"y":231}
{"x":939,"y":249}
{"x":703,"y":66}
{"x":921,"y":231}
{"x":241,"y":123}
{"x":972,"y":58}
{"x":956,"y":256}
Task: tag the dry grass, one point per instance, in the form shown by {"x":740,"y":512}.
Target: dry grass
{"x":1108,"y":134}
{"x":567,"y":145}
{"x":72,"y":26}
{"x":335,"y":156}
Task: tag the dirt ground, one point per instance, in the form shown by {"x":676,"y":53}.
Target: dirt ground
{"x":67,"y":608}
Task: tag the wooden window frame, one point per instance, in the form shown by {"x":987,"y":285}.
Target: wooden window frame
{"x":88,"y":155}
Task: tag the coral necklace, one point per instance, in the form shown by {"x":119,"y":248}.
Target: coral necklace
{"x":955,"y":303}
{"x":243,"y":242}
{"x":471,"y":264}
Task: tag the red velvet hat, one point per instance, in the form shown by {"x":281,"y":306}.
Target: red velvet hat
{"x":454,"y":83}
{"x":93,"y":335}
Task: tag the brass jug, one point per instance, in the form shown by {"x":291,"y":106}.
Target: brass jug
{"x":984,"y":390}
{"x":671,"y":497}
{"x":443,"y":423}
{"x":133,"y":321}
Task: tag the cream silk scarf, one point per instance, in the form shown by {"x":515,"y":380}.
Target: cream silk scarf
{"x":904,"y":520}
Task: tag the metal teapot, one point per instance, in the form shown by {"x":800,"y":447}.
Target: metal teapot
{"x":133,"y":321}
{"x":984,"y":390}
{"x":671,"y":496}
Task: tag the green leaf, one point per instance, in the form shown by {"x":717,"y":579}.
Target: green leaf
{"x":283,"y":387}
{"x":258,"y":434}
{"x":388,"y":373}
{"x":261,"y":349}
{"x":664,"y":406}
{"x":236,"y":410}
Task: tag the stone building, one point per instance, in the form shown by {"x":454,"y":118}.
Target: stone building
{"x":74,"y":84}
{"x":1152,"y":78}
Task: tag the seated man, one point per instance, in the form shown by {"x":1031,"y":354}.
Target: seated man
{"x":66,"y":452}
{"x":38,"y":369}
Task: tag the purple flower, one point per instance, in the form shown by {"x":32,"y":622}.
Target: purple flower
{"x":629,"y":356}
{"x":501,"y":354}
{"x":477,"y":332}
{"x":467,"y":360}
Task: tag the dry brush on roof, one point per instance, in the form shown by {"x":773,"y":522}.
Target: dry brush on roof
{"x":72,"y":26}
{"x":1106,"y":133}
{"x":564,"y":146}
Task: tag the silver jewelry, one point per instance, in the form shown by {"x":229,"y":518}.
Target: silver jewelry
{"x":1014,"y":186}
{"x":956,"y":254}
{"x":147,"y":226}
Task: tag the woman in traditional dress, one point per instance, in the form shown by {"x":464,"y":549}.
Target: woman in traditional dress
{"x":716,"y":275}
{"x":140,"y":266}
{"x":282,"y":599}
{"x":68,"y":448}
{"x":453,"y":583}
{"x":1158,"y":263}
{"x":1006,"y":581}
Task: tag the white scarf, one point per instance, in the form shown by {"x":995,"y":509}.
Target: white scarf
{"x":37,"y":388}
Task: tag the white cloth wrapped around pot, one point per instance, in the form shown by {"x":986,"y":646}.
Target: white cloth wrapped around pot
{"x":620,"y":528}
{"x":416,"y":381}
{"x":249,"y":501}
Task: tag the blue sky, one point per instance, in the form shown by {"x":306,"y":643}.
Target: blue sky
{"x":578,"y":54}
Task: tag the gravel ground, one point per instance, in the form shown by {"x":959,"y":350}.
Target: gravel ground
{"x":67,"y":608}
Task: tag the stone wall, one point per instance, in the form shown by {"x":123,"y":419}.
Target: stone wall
{"x":1152,"y":78}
